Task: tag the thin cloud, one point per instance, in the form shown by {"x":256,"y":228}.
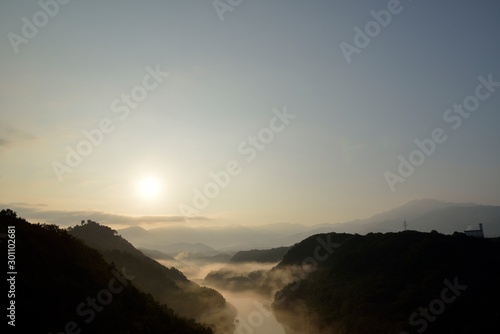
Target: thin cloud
{"x":32,"y":213}
{"x":9,"y":136}
{"x":4,"y":142}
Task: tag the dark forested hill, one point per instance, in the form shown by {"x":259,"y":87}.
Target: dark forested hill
{"x":64,"y":286}
{"x":166,"y":285}
{"x":260,"y":255}
{"x":407,"y":282}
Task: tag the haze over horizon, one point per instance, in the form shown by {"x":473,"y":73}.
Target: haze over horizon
{"x":252,"y":116}
{"x":65,"y":218}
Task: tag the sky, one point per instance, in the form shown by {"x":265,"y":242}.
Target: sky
{"x":246,"y":111}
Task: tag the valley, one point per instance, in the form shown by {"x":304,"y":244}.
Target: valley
{"x":327,"y":282}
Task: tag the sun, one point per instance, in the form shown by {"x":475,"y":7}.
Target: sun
{"x":149,"y":187}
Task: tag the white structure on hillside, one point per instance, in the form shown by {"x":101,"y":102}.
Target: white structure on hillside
{"x":475,"y":233}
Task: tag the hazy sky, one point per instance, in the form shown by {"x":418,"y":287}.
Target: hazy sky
{"x":344,"y":116}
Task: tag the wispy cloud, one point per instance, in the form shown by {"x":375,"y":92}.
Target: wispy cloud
{"x":10,"y":136}
{"x":4,"y":142}
{"x":36,"y":213}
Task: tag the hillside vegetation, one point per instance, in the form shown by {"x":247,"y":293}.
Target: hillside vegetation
{"x":166,"y":285}
{"x":62,"y":286}
{"x":260,"y":255}
{"x":387,"y":283}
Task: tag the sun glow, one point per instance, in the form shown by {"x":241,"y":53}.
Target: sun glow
{"x":149,"y":187}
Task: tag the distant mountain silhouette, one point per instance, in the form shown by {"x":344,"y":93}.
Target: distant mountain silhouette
{"x":421,"y":215}
{"x":384,"y":283}
{"x":135,"y":232}
{"x":166,"y":285}
{"x":63,"y":285}
{"x":168,"y":239}
{"x":427,"y":215}
{"x":450,"y":219}
{"x":180,"y":247}
{"x":157,"y":255}
{"x":202,"y":258}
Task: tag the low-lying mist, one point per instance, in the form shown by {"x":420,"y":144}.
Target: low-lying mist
{"x":249,"y":287}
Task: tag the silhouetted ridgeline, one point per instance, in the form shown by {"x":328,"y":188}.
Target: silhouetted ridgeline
{"x":388,"y":283}
{"x":166,"y":285}
{"x":64,"y":286}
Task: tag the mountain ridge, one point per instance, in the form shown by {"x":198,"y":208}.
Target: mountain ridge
{"x":62,"y":284}
{"x":167,"y":285}
{"x":243,"y":238}
{"x":380,"y":283}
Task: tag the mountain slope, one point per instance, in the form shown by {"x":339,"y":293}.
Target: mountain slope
{"x":260,"y":255}
{"x":450,"y":219}
{"x":216,"y":237}
{"x":157,"y":255}
{"x":63,"y":284}
{"x":421,"y":215}
{"x":382,"y":283}
{"x":426,"y":215}
{"x":166,"y":285}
